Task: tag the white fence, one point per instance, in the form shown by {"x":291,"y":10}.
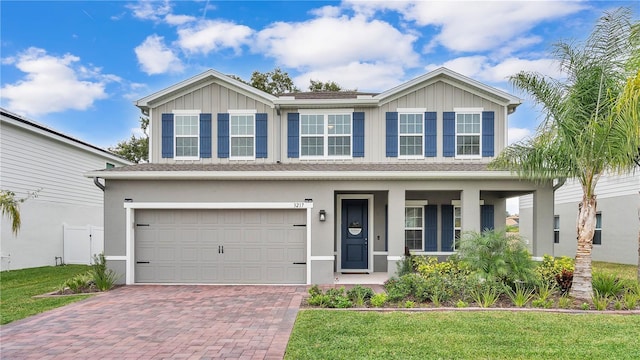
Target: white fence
{"x":81,"y":243}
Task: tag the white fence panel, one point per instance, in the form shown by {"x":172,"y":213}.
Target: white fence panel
{"x":81,"y":243}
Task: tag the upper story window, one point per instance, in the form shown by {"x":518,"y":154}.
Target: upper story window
{"x":187,"y":136}
{"x":410,"y":132}
{"x":468,"y":133}
{"x":242,"y":136}
{"x":325,"y":135}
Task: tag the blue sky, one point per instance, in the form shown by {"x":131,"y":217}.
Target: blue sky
{"x":77,"y":66}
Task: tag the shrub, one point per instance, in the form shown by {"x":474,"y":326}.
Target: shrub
{"x":564,"y":280}
{"x":607,"y":285}
{"x":486,"y":293}
{"x":79,"y":283}
{"x":378,"y":300}
{"x":405,"y":266}
{"x":497,"y":256}
{"x":103,"y":278}
{"x":600,"y":301}
{"x":401,"y":288}
{"x":551,"y":267}
{"x":564,"y":302}
{"x":630,"y":299}
{"x":409,"y":304}
{"x":332,"y":298}
{"x":462,"y":304}
{"x":359,"y":295}
{"x":519,"y":296}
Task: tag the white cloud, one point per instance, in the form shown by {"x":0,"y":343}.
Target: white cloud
{"x":53,"y":84}
{"x":516,"y":134}
{"x":474,"y":25}
{"x":172,"y":19}
{"x":327,"y":11}
{"x":210,"y":35}
{"x":480,"y":68}
{"x":156,"y":58}
{"x":330,"y":42}
{"x":356,"y":75}
{"x":150,"y":10}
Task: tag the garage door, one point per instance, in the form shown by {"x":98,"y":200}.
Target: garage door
{"x":220,"y":246}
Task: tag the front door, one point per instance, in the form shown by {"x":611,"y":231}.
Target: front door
{"x":355,"y":234}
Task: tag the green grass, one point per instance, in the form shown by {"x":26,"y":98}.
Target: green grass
{"x":324,"y":334}
{"x":17,"y":288}
{"x":624,"y":271}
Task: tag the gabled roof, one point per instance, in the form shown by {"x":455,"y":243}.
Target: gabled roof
{"x":327,"y":99}
{"x":30,"y":125}
{"x":459,"y":79}
{"x":205,"y":77}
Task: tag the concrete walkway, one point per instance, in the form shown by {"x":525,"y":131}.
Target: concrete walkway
{"x":161,"y":322}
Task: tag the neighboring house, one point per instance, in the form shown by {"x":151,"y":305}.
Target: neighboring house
{"x":34,"y":157}
{"x":513,"y":220}
{"x":617,"y":224}
{"x":246,"y":187}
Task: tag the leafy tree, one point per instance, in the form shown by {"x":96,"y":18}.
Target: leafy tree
{"x":275,"y":82}
{"x":591,"y":123}
{"x":324,"y":86}
{"x":136,"y":149}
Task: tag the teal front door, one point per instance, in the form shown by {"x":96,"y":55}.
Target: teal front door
{"x":355,"y":232}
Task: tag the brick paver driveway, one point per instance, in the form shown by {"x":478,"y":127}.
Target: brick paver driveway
{"x":154,"y":322}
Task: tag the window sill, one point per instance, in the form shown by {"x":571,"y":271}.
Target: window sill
{"x":468,"y":157}
{"x":189,"y":158}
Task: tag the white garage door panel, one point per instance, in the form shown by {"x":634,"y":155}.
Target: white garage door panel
{"x":220,"y":246}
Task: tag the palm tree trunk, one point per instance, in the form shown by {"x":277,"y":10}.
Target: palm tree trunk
{"x":581,"y":287}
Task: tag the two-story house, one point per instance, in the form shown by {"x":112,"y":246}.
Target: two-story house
{"x":246,"y":187}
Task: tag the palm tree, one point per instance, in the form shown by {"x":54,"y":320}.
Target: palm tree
{"x":10,"y":207}
{"x":591,"y":123}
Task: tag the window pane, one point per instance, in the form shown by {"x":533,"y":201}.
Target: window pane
{"x":312,"y":124}
{"x":242,"y":146}
{"x":413,"y":239}
{"x":410,"y":145}
{"x":598,"y":221}
{"x":339,"y":124}
{"x":186,"y":146}
{"x":242,"y":125}
{"x":597,"y":237}
{"x":468,"y":145}
{"x":339,"y":145}
{"x":411,"y":123}
{"x":413,"y":217}
{"x":186,"y":125}
{"x":312,"y":146}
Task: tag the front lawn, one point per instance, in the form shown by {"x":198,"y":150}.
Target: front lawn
{"x":17,"y":288}
{"x":325,"y":334}
{"x":623,"y":271}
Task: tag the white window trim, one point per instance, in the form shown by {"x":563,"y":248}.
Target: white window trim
{"x":418,"y":204}
{"x":467,"y":111}
{"x":405,"y":111}
{"x":326,"y":135}
{"x":175,"y":136}
{"x":235,"y":112}
{"x":459,"y":228}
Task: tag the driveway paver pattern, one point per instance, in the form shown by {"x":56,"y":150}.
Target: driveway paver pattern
{"x":161,"y":322}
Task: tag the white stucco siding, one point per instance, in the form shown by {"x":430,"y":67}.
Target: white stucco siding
{"x":609,"y":186}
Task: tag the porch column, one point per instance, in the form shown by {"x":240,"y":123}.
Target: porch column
{"x":470,"y":207}
{"x":395,"y":242}
{"x":543,"y":221}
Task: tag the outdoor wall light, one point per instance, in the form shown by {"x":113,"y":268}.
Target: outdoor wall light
{"x":323,"y":215}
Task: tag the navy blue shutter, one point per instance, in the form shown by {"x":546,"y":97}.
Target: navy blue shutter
{"x":447,"y":227}
{"x":167,"y":135}
{"x":358,"y":134}
{"x":293,"y":135}
{"x":392,"y":134}
{"x":486,"y":217}
{"x":223,"y":135}
{"x":449,"y":134}
{"x":430,"y":134}
{"x":205,"y":135}
{"x":431,"y":228}
{"x":261,"y":135}
{"x":487,"y":133}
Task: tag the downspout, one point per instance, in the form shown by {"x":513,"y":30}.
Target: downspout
{"x":561,"y":182}
{"x":98,"y":183}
